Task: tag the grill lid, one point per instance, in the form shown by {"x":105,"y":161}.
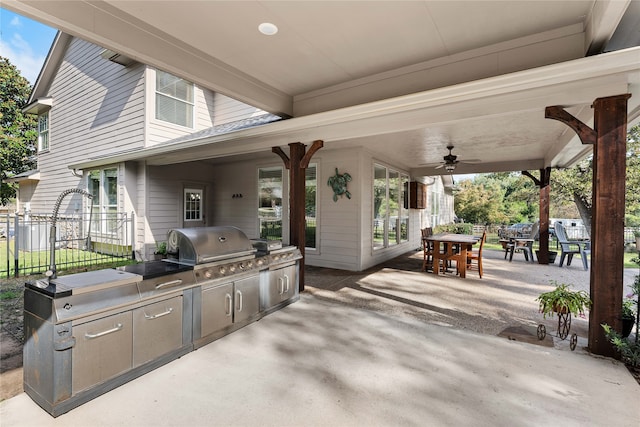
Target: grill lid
{"x":207,"y":244}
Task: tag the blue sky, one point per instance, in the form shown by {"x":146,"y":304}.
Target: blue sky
{"x":25,"y":42}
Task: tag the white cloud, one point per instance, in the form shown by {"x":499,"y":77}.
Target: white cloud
{"x":21,"y":54}
{"x":16,"y":22}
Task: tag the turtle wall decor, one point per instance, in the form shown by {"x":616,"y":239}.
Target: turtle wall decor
{"x":338,"y":183}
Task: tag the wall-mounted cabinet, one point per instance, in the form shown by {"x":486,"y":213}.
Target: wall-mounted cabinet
{"x":417,"y":195}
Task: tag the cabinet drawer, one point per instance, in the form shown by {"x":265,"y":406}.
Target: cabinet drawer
{"x":157,"y":330}
{"x":103,"y":350}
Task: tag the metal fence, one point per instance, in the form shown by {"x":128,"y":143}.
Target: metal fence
{"x":80,"y":241}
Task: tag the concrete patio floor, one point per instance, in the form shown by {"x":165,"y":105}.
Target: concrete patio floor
{"x":389,"y":346}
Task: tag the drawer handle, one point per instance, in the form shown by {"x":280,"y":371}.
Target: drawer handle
{"x":228,"y":304}
{"x":155,"y":316}
{"x":101,"y":334}
{"x":170,"y":283}
{"x":286,"y":281}
{"x":280,"y":285}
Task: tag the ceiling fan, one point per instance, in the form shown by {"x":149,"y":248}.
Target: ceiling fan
{"x":451,"y":161}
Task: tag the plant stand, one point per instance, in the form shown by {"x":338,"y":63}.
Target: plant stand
{"x":564,"y":325}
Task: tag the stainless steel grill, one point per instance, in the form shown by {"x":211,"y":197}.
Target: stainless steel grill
{"x":208,"y":244}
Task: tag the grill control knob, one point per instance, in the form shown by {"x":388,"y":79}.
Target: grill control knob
{"x":223,"y":270}
{"x":232,"y":268}
{"x":207,"y":274}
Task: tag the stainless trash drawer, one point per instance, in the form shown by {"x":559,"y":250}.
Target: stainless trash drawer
{"x":103,"y":349}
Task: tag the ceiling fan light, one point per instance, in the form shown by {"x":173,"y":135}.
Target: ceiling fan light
{"x":450,"y":167}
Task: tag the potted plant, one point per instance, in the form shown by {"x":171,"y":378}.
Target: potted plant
{"x":563,"y":300}
{"x":161,"y":250}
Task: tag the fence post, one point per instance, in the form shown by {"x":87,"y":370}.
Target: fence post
{"x":133,"y":235}
{"x":16,"y":245}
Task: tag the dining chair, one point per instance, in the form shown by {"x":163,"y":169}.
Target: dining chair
{"x":427,"y":250}
{"x":476,"y":256}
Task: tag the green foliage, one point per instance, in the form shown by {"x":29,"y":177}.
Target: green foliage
{"x":629,"y":350}
{"x":161,"y":248}
{"x":17,"y":130}
{"x":463,"y":228}
{"x":563,"y":299}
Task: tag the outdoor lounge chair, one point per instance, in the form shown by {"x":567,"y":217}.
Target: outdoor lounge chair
{"x":571,"y":247}
{"x":523,"y":244}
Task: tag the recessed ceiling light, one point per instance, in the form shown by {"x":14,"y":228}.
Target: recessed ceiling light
{"x":267,"y":28}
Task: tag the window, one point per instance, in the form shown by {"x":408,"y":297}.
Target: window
{"x":192,"y":204}
{"x":174,"y":99}
{"x":43,"y":132}
{"x":270,"y":188}
{"x":310,"y":206}
{"x":103,"y":186}
{"x":390,"y":216}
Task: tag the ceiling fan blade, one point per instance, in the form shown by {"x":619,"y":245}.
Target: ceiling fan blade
{"x":439,"y":166}
{"x":470,"y":161}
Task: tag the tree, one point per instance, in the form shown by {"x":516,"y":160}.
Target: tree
{"x":575,"y":184}
{"x":17,"y":130}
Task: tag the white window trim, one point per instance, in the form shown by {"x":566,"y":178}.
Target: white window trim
{"x":154,"y":94}
{"x":42,"y":149}
{"x":184,"y":204}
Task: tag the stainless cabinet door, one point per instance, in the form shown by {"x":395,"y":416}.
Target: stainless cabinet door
{"x":217,"y":308}
{"x":246,"y":298}
{"x":103,"y":350}
{"x":157,"y":330}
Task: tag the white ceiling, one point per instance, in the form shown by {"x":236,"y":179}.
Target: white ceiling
{"x":402,"y":78}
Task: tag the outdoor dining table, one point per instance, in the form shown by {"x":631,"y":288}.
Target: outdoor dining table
{"x":451,"y":242}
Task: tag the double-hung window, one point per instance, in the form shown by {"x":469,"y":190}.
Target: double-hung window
{"x":390,"y":217}
{"x":310,"y":206}
{"x":43,"y":132}
{"x":174,"y":99}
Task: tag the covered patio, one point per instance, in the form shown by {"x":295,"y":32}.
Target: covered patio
{"x":405,"y":93}
{"x":387,"y":346}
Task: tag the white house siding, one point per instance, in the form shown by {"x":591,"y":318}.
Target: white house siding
{"x":241,"y":178}
{"x":97,"y":110}
{"x":164,"y":189}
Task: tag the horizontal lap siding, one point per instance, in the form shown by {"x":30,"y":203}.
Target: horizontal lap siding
{"x":165,"y":186}
{"x":97,"y":110}
{"x":339,"y":222}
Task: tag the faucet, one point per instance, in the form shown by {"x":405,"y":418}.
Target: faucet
{"x":52,"y":273}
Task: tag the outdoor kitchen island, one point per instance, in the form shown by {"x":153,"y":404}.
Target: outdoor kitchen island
{"x":88,"y":333}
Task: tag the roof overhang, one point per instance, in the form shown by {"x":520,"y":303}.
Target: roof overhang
{"x":520,"y":97}
{"x":32,"y":175}
{"x":39,"y":106}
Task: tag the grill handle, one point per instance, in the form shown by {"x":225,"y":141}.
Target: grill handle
{"x":170,"y":283}
{"x":103,"y":333}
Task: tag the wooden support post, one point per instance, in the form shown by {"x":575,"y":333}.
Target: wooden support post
{"x":609,"y":137}
{"x":607,"y":226}
{"x":543,"y":184}
{"x":297,"y":163}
